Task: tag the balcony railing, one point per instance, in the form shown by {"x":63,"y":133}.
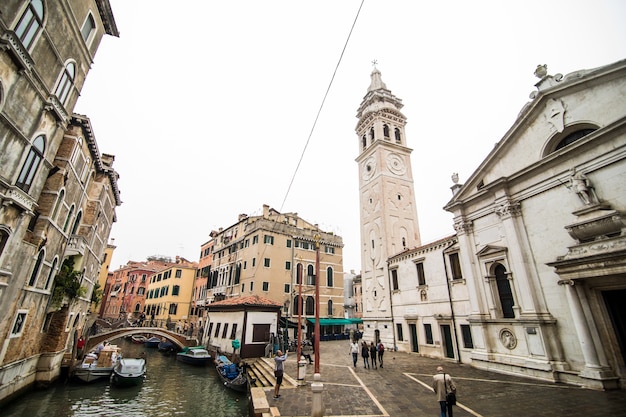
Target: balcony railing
{"x":76,"y":246}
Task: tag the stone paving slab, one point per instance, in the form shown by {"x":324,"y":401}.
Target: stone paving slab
{"x":402,"y":388}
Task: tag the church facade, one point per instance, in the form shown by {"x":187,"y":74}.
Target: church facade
{"x":532,"y":282}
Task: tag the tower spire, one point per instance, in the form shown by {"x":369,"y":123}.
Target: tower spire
{"x":377,"y":81}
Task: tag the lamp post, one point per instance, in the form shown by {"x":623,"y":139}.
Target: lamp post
{"x":317,"y":302}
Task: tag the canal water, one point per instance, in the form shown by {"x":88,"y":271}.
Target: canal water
{"x":171,"y":388}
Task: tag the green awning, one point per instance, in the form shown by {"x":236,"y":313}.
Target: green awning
{"x":335,"y":322}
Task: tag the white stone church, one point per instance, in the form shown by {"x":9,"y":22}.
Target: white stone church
{"x":533,"y":281}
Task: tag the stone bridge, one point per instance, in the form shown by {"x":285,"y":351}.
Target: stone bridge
{"x":178,"y":339}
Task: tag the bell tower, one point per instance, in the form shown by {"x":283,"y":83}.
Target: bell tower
{"x":387,"y":201}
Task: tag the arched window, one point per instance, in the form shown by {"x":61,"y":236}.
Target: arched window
{"x":569,"y":135}
{"x":310,"y":306}
{"x":4,"y":238}
{"x":51,"y":273}
{"x":297,"y":302}
{"x":83,"y":174}
{"x":137,"y":307}
{"x":35,"y":155}
{"x":88,"y":27}
{"x":504,"y":291}
{"x":57,"y":205}
{"x":364,"y":142}
{"x":30,"y":23}
{"x":372,"y":134}
{"x":310,"y":275}
{"x":329,"y":277}
{"x":69,"y":217}
{"x":35,"y":273}
{"x":386,"y":131}
{"x":76,"y":225}
{"x":573,"y":137}
{"x":398,"y":136}
{"x":330,"y":307}
{"x":299,"y":274}
{"x":77,"y":151}
{"x":66,"y":82}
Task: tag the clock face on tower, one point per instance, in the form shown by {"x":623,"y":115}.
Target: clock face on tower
{"x":369,"y":168}
{"x":395,"y":163}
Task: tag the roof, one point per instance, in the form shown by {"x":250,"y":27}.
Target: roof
{"x":252,"y":300}
{"x":336,"y":321}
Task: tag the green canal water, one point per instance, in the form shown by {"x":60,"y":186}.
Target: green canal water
{"x":171,"y":389}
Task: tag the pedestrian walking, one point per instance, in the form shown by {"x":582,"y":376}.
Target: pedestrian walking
{"x":354,"y":350}
{"x":279,"y":370}
{"x":380,"y":348}
{"x":443,"y":385}
{"x":373,"y":354}
{"x":365,"y":352}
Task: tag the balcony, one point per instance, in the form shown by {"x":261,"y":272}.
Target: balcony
{"x":76,"y":246}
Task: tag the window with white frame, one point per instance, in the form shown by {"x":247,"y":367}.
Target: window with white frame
{"x":30,"y":23}
{"x":37,"y":268}
{"x":89,"y":27}
{"x":18,"y":323}
{"x":29,"y":169}
{"x":66,"y":83}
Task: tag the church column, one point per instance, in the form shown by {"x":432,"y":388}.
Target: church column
{"x":464,"y":231}
{"x":593,"y":369}
{"x":580,"y":324}
{"x":528,"y":299}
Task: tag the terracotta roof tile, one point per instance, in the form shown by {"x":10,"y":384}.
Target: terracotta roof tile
{"x":252,"y":300}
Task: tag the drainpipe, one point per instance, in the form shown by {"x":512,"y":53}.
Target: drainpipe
{"x":393,"y":323}
{"x":445,"y":268}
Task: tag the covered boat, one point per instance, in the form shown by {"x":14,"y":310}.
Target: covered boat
{"x":194,"y":356}
{"x":97,"y":366}
{"x":128,"y":372}
{"x":233,"y":376}
{"x":167,"y":348}
{"x":152,"y":342}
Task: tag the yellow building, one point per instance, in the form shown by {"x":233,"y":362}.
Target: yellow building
{"x":170,"y":294}
{"x":104,"y":273}
{"x":269,"y":256}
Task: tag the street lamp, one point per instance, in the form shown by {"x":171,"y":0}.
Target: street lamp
{"x":317,"y":302}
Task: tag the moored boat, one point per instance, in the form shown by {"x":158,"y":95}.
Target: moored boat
{"x":233,"y":376}
{"x":97,"y":366}
{"x":167,"y":348}
{"x":138,"y":338}
{"x":129,"y":372}
{"x":194,"y":356}
{"x":152,"y":342}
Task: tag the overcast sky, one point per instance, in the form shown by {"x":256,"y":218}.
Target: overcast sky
{"x":208,"y":105}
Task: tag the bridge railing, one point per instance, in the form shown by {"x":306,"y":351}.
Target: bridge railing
{"x":181,"y":340}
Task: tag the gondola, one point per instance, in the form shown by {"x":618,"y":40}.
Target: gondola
{"x":152,"y":342}
{"x":233,"y":376}
{"x":167,"y":348}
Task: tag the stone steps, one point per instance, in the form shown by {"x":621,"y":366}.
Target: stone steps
{"x":262,"y":370}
